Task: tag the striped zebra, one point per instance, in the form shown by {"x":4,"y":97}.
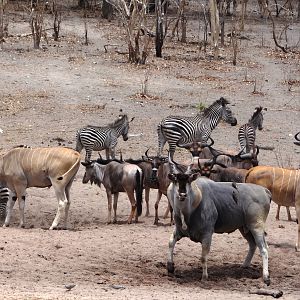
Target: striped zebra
{"x":94,"y":138}
{"x":247,"y":132}
{"x":4,"y":197}
{"x":181,"y":131}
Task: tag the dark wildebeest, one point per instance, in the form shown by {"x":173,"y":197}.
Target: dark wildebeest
{"x":202,"y":207}
{"x":117,"y":177}
{"x":149,"y":166}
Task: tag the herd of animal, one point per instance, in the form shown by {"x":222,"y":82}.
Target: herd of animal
{"x":216,"y":192}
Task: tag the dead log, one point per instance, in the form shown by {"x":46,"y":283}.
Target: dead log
{"x":267,"y":292}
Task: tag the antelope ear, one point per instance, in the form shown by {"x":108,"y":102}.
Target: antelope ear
{"x":172,"y":177}
{"x":193,"y":177}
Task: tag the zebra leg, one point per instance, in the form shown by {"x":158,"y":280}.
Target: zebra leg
{"x":116,"y":195}
{"x":88,"y":154}
{"x":9,"y":207}
{"x":161,"y":140}
{"x":107,"y":153}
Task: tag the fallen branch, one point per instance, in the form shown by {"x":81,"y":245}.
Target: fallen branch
{"x":271,"y":148}
{"x":273,"y":293}
{"x":29,"y":34}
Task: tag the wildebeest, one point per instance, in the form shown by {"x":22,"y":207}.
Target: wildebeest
{"x":202,"y":207}
{"x":284,"y":185}
{"x":227,"y":158}
{"x":24,"y":167}
{"x":297,"y":138}
{"x":117,"y":177}
{"x":150,"y":166}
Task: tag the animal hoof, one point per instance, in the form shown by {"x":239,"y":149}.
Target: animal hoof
{"x":267,"y":281}
{"x":170,"y":267}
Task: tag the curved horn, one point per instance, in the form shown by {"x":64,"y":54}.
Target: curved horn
{"x":297,"y":136}
{"x":146,"y":153}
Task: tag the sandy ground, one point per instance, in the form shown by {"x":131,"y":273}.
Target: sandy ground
{"x":46,"y":95}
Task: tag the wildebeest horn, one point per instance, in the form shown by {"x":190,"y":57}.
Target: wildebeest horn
{"x":297,"y":137}
{"x":146,"y":153}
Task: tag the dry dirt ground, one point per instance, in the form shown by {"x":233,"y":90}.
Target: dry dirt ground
{"x":46,"y":95}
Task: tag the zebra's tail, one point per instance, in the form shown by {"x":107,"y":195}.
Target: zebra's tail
{"x":139,"y":191}
{"x":79,"y":145}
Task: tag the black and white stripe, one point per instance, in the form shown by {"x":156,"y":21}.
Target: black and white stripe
{"x":4,"y":197}
{"x":179,"y":130}
{"x":247,"y":132}
{"x":94,"y":138}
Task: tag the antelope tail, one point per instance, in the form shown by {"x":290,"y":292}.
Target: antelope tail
{"x":73,"y":167}
{"x":139,"y":192}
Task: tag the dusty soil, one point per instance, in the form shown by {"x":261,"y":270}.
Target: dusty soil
{"x":46,"y":95}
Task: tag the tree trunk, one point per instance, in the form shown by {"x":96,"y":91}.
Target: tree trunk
{"x":83,"y":4}
{"x":107,"y":10}
{"x":159,"y":38}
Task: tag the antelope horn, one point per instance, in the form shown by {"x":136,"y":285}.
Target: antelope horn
{"x":146,"y":153}
{"x":297,"y":137}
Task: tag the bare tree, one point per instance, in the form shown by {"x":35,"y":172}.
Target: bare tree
{"x":56,"y":21}
{"x":133,"y":15}
{"x":2,"y":7}
{"x":214,"y":26}
{"x":36,"y":21}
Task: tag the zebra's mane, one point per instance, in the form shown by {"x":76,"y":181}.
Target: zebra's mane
{"x":220,"y":102}
{"x":114,"y":124}
{"x":21,"y":146}
{"x":256,"y":113}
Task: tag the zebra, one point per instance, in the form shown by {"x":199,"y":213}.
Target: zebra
{"x":247,"y":134}
{"x":94,"y":138}
{"x":5,"y":194}
{"x":181,"y":131}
